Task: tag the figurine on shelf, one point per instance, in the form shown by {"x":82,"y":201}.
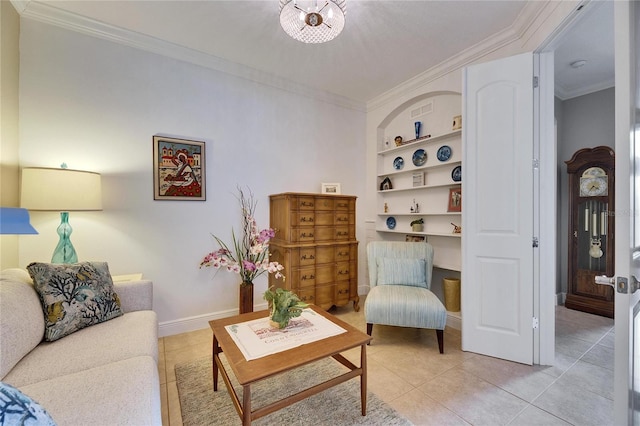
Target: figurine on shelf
{"x":456,"y":229}
{"x":415,"y":208}
{"x":417,"y":125}
{"x":398,"y":140}
{"x":386,"y":208}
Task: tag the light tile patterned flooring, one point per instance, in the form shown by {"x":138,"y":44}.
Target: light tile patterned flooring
{"x":459,"y":388}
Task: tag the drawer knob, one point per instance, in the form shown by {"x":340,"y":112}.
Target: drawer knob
{"x":304,"y":257}
{"x":306,"y":219}
{"x":343,"y":272}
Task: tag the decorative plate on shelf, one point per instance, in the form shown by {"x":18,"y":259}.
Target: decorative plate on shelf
{"x":398,"y":163}
{"x":456,"y":174}
{"x":391,"y":222}
{"x":444,"y":153}
{"x":419,"y":157}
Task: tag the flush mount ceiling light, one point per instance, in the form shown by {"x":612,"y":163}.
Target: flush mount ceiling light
{"x":313,"y":21}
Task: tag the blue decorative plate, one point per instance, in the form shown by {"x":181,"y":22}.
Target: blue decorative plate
{"x":444,"y":153}
{"x":456,"y":174}
{"x":398,"y":163}
{"x":391,"y":222}
{"x":419,"y":157}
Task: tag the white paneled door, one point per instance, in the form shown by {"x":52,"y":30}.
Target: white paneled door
{"x":497,"y":191}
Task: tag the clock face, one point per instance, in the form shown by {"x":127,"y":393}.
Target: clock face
{"x":593,"y":186}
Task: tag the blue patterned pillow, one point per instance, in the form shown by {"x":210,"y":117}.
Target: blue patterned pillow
{"x":74,"y":296}
{"x":401,"y":271}
{"x":17,"y":408}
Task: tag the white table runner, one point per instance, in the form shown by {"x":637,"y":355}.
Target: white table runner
{"x":257,"y":338}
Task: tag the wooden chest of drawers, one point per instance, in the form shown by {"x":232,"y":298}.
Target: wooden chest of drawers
{"x":315,"y":242}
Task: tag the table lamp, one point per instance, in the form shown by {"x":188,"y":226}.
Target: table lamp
{"x":62,"y":190}
{"x":15,"y":221}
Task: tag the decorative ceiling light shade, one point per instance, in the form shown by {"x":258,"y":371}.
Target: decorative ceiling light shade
{"x":61,"y":190}
{"x":313,"y":21}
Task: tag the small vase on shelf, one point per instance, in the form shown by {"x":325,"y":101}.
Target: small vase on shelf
{"x":417,"y":125}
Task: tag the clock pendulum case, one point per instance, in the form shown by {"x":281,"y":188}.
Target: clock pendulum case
{"x":591,"y":228}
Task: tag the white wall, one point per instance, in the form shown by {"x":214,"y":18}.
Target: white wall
{"x":95,"y":105}
{"x":9,"y":170}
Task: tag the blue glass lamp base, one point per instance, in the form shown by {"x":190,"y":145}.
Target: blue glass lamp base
{"x":64,"y":251}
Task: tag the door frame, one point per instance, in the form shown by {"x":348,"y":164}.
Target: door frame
{"x":623,"y":83}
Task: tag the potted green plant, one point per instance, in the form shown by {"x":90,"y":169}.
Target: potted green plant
{"x":417,"y":225}
{"x":284,"y":305}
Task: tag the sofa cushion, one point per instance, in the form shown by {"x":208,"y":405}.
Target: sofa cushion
{"x":126,"y":392}
{"x":74,"y":296}
{"x":21,"y":325}
{"x":133,"y":334}
{"x":16,"y":408}
{"x":399,"y":271}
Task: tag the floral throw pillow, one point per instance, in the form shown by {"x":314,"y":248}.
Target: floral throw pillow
{"x":17,"y":408}
{"x":74,"y":296}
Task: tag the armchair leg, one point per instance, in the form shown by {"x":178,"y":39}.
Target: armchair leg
{"x":369,"y":330}
{"x":440,"y":334}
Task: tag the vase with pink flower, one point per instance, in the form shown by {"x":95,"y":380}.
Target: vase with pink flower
{"x":248,"y":253}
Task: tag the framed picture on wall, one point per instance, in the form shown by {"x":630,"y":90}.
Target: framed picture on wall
{"x":178,"y":169}
{"x":331,"y":188}
{"x":455,"y":200}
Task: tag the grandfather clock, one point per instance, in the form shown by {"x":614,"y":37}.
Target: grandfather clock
{"x":591,"y":227}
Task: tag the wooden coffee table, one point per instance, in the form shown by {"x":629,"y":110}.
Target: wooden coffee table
{"x":249,"y":372}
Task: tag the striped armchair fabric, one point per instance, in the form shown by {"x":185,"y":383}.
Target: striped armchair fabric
{"x":400,"y":279}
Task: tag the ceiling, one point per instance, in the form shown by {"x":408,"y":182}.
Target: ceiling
{"x":384,"y":43}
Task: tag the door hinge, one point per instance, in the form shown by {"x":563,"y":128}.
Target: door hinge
{"x":535,"y":81}
{"x":535,"y":323}
{"x":535,"y":163}
{"x":535,"y":242}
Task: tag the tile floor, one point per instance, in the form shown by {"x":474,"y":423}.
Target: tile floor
{"x":460,"y":388}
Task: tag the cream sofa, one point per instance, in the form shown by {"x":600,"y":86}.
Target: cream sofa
{"x":105,"y":374}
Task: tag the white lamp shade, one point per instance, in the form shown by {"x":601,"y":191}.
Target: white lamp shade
{"x":60,"y":190}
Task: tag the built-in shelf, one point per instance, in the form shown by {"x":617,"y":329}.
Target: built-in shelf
{"x":429,"y":234}
{"x":412,"y":188}
{"x":421,"y":214}
{"x":424,"y":168}
{"x":421,"y":141}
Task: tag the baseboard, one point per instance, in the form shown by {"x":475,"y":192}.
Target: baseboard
{"x":185,"y":325}
{"x":454,"y":320}
{"x":560,"y":298}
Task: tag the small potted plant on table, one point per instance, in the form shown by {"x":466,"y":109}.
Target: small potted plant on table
{"x":417,"y":225}
{"x":283,"y":305}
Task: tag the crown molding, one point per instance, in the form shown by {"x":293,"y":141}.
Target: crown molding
{"x":52,"y":15}
{"x":564,"y":94}
{"x":523,"y":23}
{"x":20,"y":5}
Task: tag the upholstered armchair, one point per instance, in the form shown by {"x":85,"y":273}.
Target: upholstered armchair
{"x":400,"y":279}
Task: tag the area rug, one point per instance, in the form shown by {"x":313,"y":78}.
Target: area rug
{"x":339,"y":405}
